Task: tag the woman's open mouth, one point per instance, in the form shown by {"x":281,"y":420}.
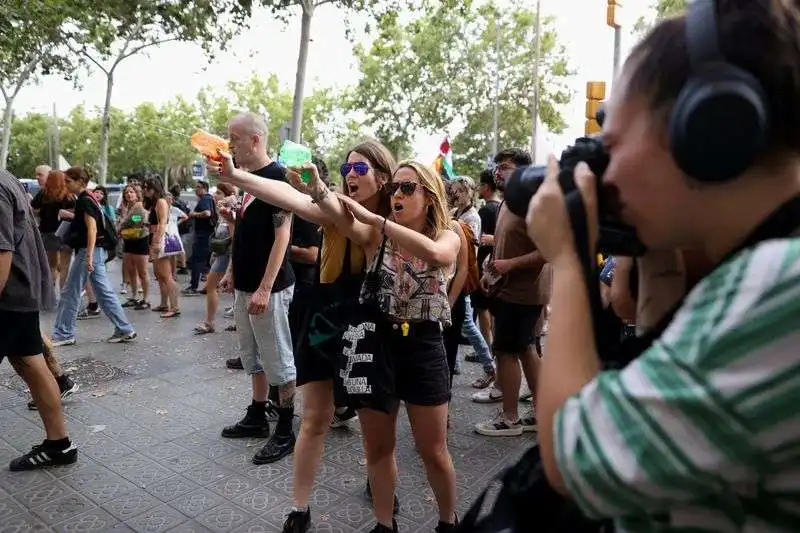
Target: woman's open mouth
{"x":352,"y":189}
{"x":397,"y":207}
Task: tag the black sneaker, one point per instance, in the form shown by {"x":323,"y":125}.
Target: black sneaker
{"x":340,"y":419}
{"x":141,"y":305}
{"x":276,"y":448}
{"x":42,"y":457}
{"x":188,"y":291}
{"x":88,"y":313}
{"x":66,"y":387}
{"x":368,"y":494}
{"x":253,"y":425}
{"x":131,"y":302}
{"x":119,"y":337}
{"x":234,"y":364}
{"x":297,"y":521}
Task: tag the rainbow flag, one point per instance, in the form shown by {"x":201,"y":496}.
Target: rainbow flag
{"x":444,"y":161}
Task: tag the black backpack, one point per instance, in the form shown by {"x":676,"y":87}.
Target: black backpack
{"x":106,"y":231}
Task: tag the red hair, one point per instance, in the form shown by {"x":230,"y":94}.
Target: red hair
{"x":55,"y":188}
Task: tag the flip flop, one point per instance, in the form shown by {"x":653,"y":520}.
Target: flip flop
{"x":172,"y":314}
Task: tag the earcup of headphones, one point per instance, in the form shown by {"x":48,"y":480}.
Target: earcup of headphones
{"x":719,"y":125}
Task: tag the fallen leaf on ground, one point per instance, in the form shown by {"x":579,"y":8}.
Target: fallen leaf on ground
{"x":98,"y":428}
{"x":99,"y":394}
{"x":161,"y":411}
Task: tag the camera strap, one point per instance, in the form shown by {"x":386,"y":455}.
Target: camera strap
{"x":587,"y":252}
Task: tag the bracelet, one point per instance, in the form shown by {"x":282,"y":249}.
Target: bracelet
{"x":383,"y":227}
{"x":318,"y":195}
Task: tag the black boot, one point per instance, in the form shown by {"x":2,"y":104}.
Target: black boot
{"x":281,"y":443}
{"x":253,"y":425}
{"x":297,"y":521}
{"x":368,"y":494}
{"x":444,"y":527}
{"x":380,"y":528}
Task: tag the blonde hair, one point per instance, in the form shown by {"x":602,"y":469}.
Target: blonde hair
{"x":438,"y":214}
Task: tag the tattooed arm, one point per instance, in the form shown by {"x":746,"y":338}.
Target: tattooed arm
{"x":662,"y":283}
{"x":282,"y":221}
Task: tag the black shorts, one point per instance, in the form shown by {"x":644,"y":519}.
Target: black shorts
{"x":20,"y":334}
{"x":514,"y":326}
{"x":136,"y":246}
{"x":421,"y":372}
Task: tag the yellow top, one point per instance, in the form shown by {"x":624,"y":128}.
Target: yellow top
{"x":334,"y":245}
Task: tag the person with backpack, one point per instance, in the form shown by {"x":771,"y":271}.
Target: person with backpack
{"x":461,"y":195}
{"x":700,"y":431}
{"x":93,"y":236}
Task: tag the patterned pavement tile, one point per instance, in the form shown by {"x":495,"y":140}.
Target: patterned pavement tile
{"x":147,"y":422}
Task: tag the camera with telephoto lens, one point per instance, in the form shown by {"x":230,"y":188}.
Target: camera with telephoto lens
{"x":616,"y":237}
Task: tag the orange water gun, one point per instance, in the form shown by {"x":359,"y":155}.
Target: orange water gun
{"x":208,"y":144}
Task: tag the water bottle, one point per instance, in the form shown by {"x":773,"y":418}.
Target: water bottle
{"x":293,"y":155}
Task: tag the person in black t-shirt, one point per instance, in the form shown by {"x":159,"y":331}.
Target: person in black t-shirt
{"x":203,"y":217}
{"x":488,"y":213}
{"x":306,"y":240}
{"x":85,"y":237}
{"x":48,"y":203}
{"x":263,"y":280}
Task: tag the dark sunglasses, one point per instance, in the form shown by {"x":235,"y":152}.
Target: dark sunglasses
{"x":406,"y":187}
{"x":361,"y":168}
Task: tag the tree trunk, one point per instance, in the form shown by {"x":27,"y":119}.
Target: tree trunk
{"x":300,"y":78}
{"x":8,"y":115}
{"x":105,"y":129}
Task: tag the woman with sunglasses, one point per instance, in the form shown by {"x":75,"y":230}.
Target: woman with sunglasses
{"x":341,"y":265}
{"x":414,"y":251}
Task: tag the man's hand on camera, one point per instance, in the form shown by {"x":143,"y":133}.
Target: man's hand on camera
{"x":548,"y":222}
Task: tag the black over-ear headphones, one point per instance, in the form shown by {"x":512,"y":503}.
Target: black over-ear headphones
{"x":720,"y":122}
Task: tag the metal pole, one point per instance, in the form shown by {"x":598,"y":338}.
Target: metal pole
{"x":617,"y":48}
{"x":56,"y":140}
{"x":536,"y":60}
{"x":496,"y":116}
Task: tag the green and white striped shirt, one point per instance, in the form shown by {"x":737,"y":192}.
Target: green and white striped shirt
{"x":702,"y":432}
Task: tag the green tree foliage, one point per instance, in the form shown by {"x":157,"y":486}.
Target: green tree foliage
{"x":661,"y":9}
{"x":114,"y":30}
{"x":30,"y":31}
{"x":437,"y":73}
{"x":154,"y":138}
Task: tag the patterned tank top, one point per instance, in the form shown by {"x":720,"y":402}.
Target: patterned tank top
{"x":411,"y":289}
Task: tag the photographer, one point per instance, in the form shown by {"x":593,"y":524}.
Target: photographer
{"x":701,"y":431}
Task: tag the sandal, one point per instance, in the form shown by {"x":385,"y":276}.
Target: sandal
{"x":203,"y":328}
{"x":160,"y":309}
{"x":172,"y":314}
{"x":141,"y":305}
{"x":131,"y":302}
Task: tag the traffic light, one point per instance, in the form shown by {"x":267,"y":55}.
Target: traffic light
{"x":595,"y":94}
{"x":612,"y":13}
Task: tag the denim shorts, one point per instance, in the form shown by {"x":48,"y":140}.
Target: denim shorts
{"x":220,"y":264}
{"x":265,"y":341}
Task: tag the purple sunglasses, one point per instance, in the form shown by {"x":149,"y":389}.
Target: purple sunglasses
{"x":361,"y":168}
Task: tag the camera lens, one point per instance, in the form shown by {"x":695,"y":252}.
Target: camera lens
{"x":521,"y":186}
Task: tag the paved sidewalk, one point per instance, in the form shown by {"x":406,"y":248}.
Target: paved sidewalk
{"x":147,"y":421}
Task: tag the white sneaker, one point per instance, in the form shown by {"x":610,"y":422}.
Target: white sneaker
{"x":524,"y":392}
{"x":490,"y":395}
{"x":228,"y":312}
{"x":499,"y":426}
{"x":64,"y":342}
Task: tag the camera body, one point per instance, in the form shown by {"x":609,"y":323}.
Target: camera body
{"x":616,"y":237}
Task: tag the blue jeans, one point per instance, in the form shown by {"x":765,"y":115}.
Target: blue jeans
{"x":475,"y":337}
{"x":67,"y":314}
{"x":198,"y":261}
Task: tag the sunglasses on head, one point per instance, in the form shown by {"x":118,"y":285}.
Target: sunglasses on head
{"x":405,"y":187}
{"x":361,"y":168}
